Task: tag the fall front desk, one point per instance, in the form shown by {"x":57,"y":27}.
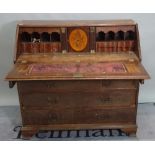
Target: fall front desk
{"x":75,"y":75}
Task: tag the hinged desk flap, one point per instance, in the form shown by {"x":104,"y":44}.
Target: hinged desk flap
{"x":77,"y":66}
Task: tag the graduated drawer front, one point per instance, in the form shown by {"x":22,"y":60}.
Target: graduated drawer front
{"x":119,"y":115}
{"x":78,"y":116}
{"x":76,"y":85}
{"x":105,"y":99}
{"x":47,"y":116}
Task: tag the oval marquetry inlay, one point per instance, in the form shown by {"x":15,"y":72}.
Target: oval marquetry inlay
{"x":78,"y":40}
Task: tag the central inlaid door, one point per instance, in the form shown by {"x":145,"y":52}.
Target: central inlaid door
{"x":78,"y":39}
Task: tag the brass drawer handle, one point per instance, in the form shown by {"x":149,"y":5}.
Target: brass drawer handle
{"x":100,"y":116}
{"x":105,"y":99}
{"x":106,"y":83}
{"x":52,"y":117}
{"x":52,"y":100}
{"x":50,"y":85}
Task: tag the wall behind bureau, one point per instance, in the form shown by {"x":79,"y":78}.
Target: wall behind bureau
{"x":7,"y":41}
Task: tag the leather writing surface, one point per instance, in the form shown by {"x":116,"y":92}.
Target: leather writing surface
{"x":100,"y":67}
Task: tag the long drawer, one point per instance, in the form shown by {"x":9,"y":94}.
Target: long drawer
{"x":78,"y":116}
{"x":108,"y":98}
{"x":76,"y":85}
{"x":48,"y":116}
{"x":118,"y":115}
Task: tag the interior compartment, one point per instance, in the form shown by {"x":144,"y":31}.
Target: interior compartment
{"x":119,"y":35}
{"x":129,"y":35}
{"x":115,"y":41}
{"x":55,"y":37}
{"x":35,"y":37}
{"x":25,"y":37}
{"x":45,"y":37}
{"x":110,"y":36}
{"x":100,"y":36}
{"x":39,"y":41}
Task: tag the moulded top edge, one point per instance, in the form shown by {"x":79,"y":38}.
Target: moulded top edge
{"x":68,"y":23}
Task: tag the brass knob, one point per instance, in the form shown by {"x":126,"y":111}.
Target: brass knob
{"x":50,"y":85}
{"x":52,"y":117}
{"x":106,"y":83}
{"x":99,"y":116}
{"x":52,"y":100}
{"x":48,"y":98}
{"x":105,"y":99}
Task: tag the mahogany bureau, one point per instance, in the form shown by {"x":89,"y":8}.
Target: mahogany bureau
{"x":74,"y":75}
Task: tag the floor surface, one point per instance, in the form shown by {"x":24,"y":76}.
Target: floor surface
{"x":10,"y":123}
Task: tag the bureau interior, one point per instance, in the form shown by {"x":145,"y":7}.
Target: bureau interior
{"x":56,"y":39}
